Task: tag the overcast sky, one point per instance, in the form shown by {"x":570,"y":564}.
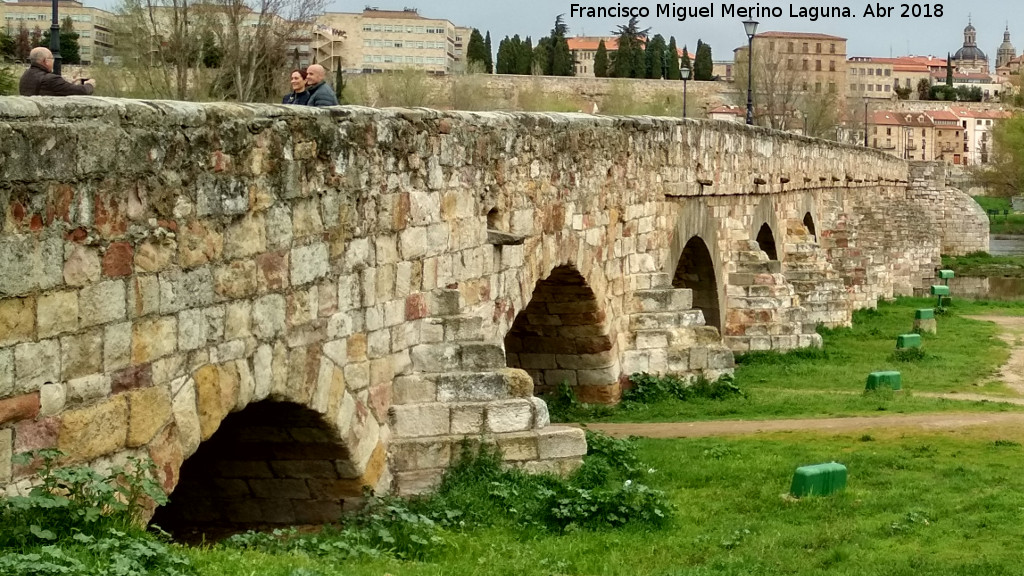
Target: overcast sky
{"x":867,"y":36}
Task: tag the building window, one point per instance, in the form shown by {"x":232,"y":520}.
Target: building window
{"x":832,"y":65}
{"x":817,"y":48}
{"x":806,"y":66}
{"x":789,"y":64}
{"x":771,"y":45}
{"x":886,"y":87}
{"x":832,"y":48}
{"x":791,"y":49}
{"x":888,"y":72}
{"x":817,"y":65}
{"x":878,"y":71}
{"x":832,"y":87}
{"x":871,"y":87}
{"x":871,"y":72}
{"x":853,"y":87}
{"x":888,"y":131}
{"x":817,"y":87}
{"x":806,"y":47}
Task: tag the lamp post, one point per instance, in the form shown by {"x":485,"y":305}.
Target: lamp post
{"x":865,"y":123}
{"x":55,"y":40}
{"x":684,"y":73}
{"x":750,"y":27}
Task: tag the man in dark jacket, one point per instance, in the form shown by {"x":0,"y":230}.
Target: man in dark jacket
{"x":320,"y":92}
{"x":39,"y":79}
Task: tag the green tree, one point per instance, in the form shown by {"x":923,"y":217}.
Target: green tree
{"x":672,"y":57}
{"x":6,"y":45}
{"x":541,"y":61}
{"x":703,"y":67}
{"x":22,"y":43}
{"x":630,"y":61}
{"x":476,"y":51}
{"x":489,"y":64}
{"x":212,"y":54}
{"x":506,"y":59}
{"x":339,"y":84}
{"x":1004,"y":175}
{"x":949,"y":71}
{"x":601,"y":61}
{"x":684,"y":61}
{"x":924,"y":89}
{"x":69,"y":50}
{"x":655,"y":56}
{"x":524,"y":57}
{"x":552,"y":56}
{"x":8,"y":83}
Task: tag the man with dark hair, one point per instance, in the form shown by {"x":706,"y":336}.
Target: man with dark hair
{"x":39,"y":79}
{"x":320,"y":92}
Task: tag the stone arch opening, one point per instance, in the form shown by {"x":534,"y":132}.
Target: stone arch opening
{"x":696,"y":271}
{"x":493,"y":219}
{"x":766,"y":241}
{"x":272,"y":464}
{"x":561,"y":336}
{"x":809,"y":224}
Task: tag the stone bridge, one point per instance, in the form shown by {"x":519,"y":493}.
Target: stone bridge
{"x":282,"y":306}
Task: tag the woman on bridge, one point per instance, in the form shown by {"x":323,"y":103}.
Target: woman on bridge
{"x":299,"y":95}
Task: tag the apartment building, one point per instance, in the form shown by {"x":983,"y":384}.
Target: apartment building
{"x":94,"y":26}
{"x":381,"y":40}
{"x":816,"y":61}
{"x":877,"y":78}
{"x":954,"y":134}
{"x":977,"y":132}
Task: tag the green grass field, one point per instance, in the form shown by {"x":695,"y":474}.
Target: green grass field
{"x":948,"y":504}
{"x":999,"y":223}
{"x":984,"y":264}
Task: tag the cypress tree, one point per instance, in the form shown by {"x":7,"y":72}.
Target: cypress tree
{"x":654,"y":55}
{"x":490,"y":54}
{"x":703,"y":67}
{"x":506,"y":60}
{"x":601,"y":61}
{"x":672,"y":57}
{"x":476,"y":51}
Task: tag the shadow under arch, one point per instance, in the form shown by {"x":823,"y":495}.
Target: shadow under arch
{"x":696,"y":271}
{"x":766,"y":241}
{"x":561,"y":336}
{"x":809,"y":224}
{"x":272,"y":464}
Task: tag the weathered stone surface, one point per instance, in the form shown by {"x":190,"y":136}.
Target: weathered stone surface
{"x":268,"y":316}
{"x":247,"y":236}
{"x":19,"y":408}
{"x":186,"y":415}
{"x":153,"y":339}
{"x":95,"y":430}
{"x":6,"y":452}
{"x":149,"y":410}
{"x":36,"y":363}
{"x":17,"y":320}
{"x":308,"y":263}
{"x":82,"y":267}
{"x":155,"y":255}
{"x":101,"y":303}
{"x":199,"y":244}
{"x":6,"y":372}
{"x":88,"y":388}
{"x":58,"y":313}
{"x":30,"y":263}
{"x":216,"y":394}
{"x":81,"y":354}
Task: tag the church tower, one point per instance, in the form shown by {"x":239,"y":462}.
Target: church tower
{"x":1006,"y":50}
{"x":970,"y":58}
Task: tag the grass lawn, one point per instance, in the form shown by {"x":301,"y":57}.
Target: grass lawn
{"x":984,"y":264}
{"x":999,"y":223}
{"x":963,"y":357}
{"x":920,"y":503}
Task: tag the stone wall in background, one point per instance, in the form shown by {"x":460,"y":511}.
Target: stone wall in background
{"x":349,"y":281}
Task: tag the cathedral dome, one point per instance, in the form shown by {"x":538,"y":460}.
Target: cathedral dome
{"x":970,"y":53}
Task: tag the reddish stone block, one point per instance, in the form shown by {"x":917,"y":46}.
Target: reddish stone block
{"x":32,"y":435}
{"x":165,"y":451}
{"x":77,"y":235}
{"x":36,"y":224}
{"x":140,"y":376}
{"x":118,"y":259}
{"x":415,"y":307}
{"x":609,"y":394}
{"x":110,"y":215}
{"x":273,"y":271}
{"x":17,"y":408}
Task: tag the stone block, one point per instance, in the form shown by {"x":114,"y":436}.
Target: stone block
{"x":199,"y":244}
{"x":117,"y":260}
{"x":186,"y":415}
{"x":509,"y":416}
{"x":149,"y":410}
{"x":236,"y":279}
{"x":417,"y":481}
{"x":82,"y":266}
{"x":561,"y":442}
{"x":417,"y":455}
{"x":541,"y":417}
{"x":292,"y":489}
{"x":191,"y":329}
{"x":440,"y":357}
{"x":153,"y":338}
{"x":471,"y":387}
{"x":268,"y":316}
{"x":217,"y":388}
{"x":468,"y":418}
{"x":36,"y":363}
{"x":518,"y":447}
{"x":308,"y":263}
{"x":18,"y":408}
{"x":6,"y":453}
{"x":143,"y":296}
{"x":81,"y":354}
{"x":417,"y":420}
{"x":88,"y":388}
{"x":94,"y":431}
{"x":6,"y":372}
{"x":30,"y":435}
{"x":58,"y":313}
{"x":155,"y":255}
{"x":414,"y":389}
{"x":52,"y":399}
{"x":181,"y":290}
{"x":30,"y":263}
{"x":246,"y":236}
{"x":18,"y":320}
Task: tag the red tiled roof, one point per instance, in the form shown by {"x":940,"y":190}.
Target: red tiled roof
{"x":943,"y":115}
{"x":885,"y":118}
{"x":611,"y":43}
{"x":734,"y":110}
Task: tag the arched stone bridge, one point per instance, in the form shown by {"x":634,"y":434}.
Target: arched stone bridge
{"x":282,"y":306}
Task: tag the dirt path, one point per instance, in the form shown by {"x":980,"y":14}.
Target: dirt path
{"x":1012,"y":373}
{"x":1013,"y":334}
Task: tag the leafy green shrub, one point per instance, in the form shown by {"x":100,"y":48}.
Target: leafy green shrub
{"x":908,"y":355}
{"x":80,"y":522}
{"x":776,"y":358}
{"x":8,"y":81}
{"x":564,"y":406}
{"x":648,"y":389}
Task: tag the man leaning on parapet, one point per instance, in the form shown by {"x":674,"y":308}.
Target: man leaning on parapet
{"x":39,"y":79}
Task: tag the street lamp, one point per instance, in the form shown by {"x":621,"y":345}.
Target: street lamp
{"x":684,"y":73}
{"x":750,"y":27}
{"x":55,"y":40}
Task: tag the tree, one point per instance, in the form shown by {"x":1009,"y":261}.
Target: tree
{"x":476,"y":51}
{"x":1004,"y":175}
{"x":630,"y":61}
{"x":22,"y":43}
{"x":776,"y":85}
{"x":820,"y":114}
{"x":524,"y":57}
{"x":672,"y":56}
{"x":902,"y":92}
{"x":552,"y":55}
{"x":601,"y":61}
{"x":489,"y":64}
{"x":69,"y":49}
{"x":655,"y":56}
{"x":6,"y":45}
{"x":924,"y":88}
{"x":703,"y":67}
{"x":684,"y":62}
{"x":949,"y":71}
{"x":8,"y":83}
{"x":506,"y":60}
{"x":339,"y":84}
{"x":212,"y":55}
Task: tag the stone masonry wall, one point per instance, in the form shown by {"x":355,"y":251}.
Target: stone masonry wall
{"x":962,"y":222}
{"x":164,"y":264}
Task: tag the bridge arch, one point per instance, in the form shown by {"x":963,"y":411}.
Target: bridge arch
{"x":696,"y":219}
{"x":809,"y":225}
{"x":695,"y":270}
{"x":562,"y":335}
{"x":766,"y":241}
